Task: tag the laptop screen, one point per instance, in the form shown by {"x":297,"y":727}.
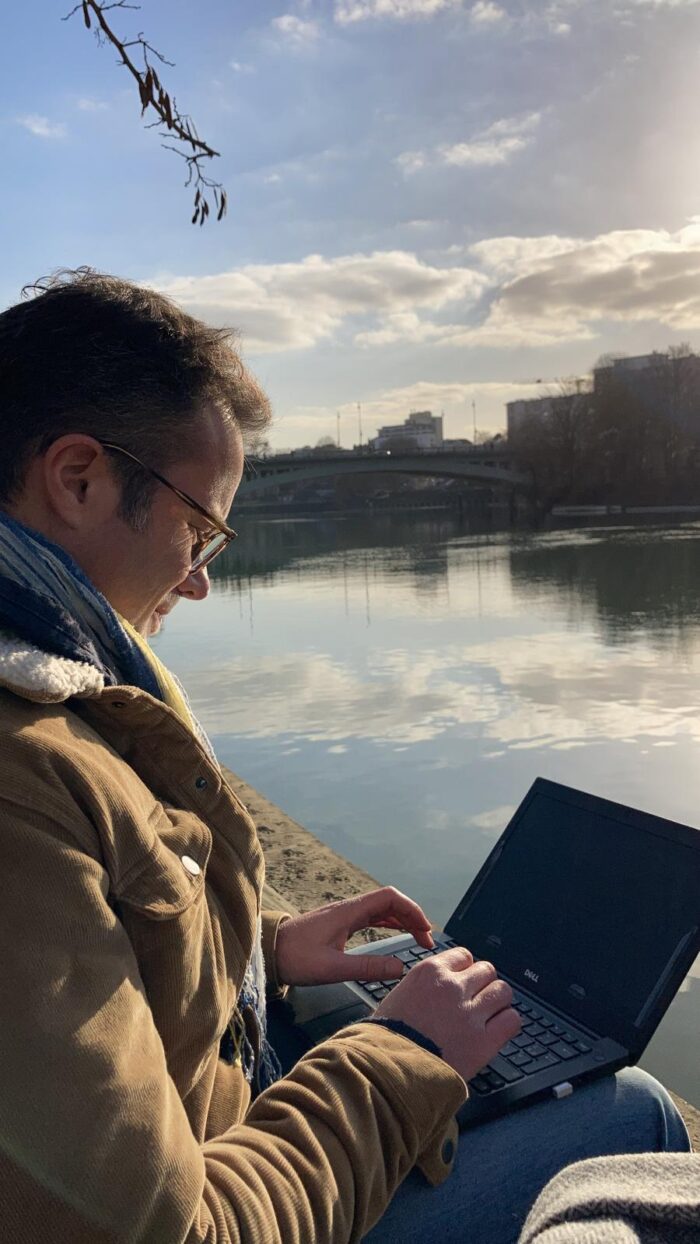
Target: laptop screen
{"x":588,"y":910}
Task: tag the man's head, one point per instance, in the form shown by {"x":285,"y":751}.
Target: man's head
{"x":92,"y":358}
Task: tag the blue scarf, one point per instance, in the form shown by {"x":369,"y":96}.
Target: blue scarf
{"x":46,"y":599}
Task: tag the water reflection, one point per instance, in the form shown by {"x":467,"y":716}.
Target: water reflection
{"x":268,"y":548}
{"x":397,"y":685}
{"x":645,"y":581}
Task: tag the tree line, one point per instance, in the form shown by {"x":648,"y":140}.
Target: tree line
{"x":632,"y":439}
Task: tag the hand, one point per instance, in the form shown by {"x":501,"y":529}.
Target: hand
{"x":460,"y":1005}
{"x":310,"y":948}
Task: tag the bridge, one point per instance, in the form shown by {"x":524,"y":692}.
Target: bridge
{"x":485,"y":466}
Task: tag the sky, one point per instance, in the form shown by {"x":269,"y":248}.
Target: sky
{"x":434,"y":204}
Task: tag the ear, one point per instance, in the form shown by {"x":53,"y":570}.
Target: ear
{"x":79,"y":484}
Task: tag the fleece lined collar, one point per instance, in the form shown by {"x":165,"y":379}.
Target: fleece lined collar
{"x":41,"y":676}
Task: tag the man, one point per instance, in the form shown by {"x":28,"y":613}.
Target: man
{"x":138,"y":1097}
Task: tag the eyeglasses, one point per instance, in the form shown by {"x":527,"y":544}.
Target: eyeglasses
{"x":204,"y":550}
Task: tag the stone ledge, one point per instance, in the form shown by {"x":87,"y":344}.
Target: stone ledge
{"x":303,"y":873}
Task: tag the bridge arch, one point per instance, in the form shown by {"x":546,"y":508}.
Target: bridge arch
{"x":496,"y":469}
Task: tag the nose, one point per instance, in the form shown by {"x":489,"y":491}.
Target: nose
{"x":195,"y":586}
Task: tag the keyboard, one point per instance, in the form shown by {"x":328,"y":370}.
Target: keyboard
{"x":544,"y":1042}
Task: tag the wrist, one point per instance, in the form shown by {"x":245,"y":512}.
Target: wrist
{"x":406,"y":1030}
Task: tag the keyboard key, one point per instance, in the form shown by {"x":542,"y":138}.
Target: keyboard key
{"x":519,"y":1059}
{"x":524,"y":1008}
{"x":494,"y":1080}
{"x":582,"y":1047}
{"x":568,"y":1036}
{"x":509,"y":1048}
{"x":380,"y":993}
{"x":557,"y":1030}
{"x":521,"y":1040}
{"x":540,"y":1064}
{"x":502,"y":1067}
{"x":533,"y":1030}
{"x":546,"y":1023}
{"x":563,"y":1050}
{"x":547,"y":1038}
{"x":405,"y":955}
{"x":534,"y":1049}
{"x":480,"y":1085}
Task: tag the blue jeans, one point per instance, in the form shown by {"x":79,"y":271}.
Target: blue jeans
{"x":502,"y":1166}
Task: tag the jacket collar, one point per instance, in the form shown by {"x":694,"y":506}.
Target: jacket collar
{"x":28,"y":671}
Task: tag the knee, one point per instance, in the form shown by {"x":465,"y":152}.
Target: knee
{"x":654,"y":1120}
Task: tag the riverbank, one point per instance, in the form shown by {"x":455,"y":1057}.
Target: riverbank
{"x":303,"y":873}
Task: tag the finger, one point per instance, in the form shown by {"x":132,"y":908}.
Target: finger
{"x":497,"y":996}
{"x":424,"y":939}
{"x":503,"y":1026}
{"x":479,"y":976}
{"x":457,"y":958}
{"x":386,"y":904}
{"x":372,"y":968}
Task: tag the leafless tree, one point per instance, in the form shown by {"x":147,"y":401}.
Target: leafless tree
{"x":170,"y":122}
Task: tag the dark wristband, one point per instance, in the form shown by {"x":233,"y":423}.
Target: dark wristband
{"x":405,"y":1030}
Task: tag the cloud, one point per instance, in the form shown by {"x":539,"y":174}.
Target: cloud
{"x":240,"y":66}
{"x":297,"y":29}
{"x":453,"y":395}
{"x":295,"y":305}
{"x":92,"y":105}
{"x":348,"y":11}
{"x":549,"y":290}
{"x":412,"y":161}
{"x":495,"y":145}
{"x":42,"y":127}
{"x":662,"y":4}
{"x":561,"y":289}
{"x":507,"y":292}
{"x":486,"y":13}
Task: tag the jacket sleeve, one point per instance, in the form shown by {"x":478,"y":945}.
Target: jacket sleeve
{"x":271,"y":921}
{"x":95,"y":1143}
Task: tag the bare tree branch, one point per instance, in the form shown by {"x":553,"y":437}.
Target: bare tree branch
{"x":169,"y":120}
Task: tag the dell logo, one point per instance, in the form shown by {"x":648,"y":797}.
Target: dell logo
{"x":531,"y":976}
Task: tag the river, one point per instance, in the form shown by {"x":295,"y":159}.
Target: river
{"x":396,"y":684}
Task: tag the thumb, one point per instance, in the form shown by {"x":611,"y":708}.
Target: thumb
{"x":376,"y":967}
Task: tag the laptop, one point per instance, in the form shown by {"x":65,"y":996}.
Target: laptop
{"x":591,"y":912}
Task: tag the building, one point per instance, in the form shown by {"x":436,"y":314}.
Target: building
{"x":422,"y":430}
{"x":528,"y":414}
{"x":663,"y":385}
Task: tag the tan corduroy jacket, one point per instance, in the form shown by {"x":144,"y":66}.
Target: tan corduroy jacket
{"x":130,"y":880}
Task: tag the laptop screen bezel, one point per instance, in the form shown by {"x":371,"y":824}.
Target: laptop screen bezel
{"x":634,"y":1038}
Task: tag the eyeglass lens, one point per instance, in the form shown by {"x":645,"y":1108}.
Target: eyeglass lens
{"x":209,"y":551}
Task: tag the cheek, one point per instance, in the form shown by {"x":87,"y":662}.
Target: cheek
{"x":178,"y":560}
{"x":169,"y":561}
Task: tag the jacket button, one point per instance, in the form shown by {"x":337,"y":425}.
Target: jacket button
{"x":191,"y":865}
{"x":448,"y":1152}
{"x":201,"y":783}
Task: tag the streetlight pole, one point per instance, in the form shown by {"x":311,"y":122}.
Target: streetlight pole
{"x":474,"y":419}
{"x":359,"y":421}
{"x":337,"y":428}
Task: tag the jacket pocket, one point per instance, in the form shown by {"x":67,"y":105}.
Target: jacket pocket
{"x":168,"y":878}
{"x":162,"y":903}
